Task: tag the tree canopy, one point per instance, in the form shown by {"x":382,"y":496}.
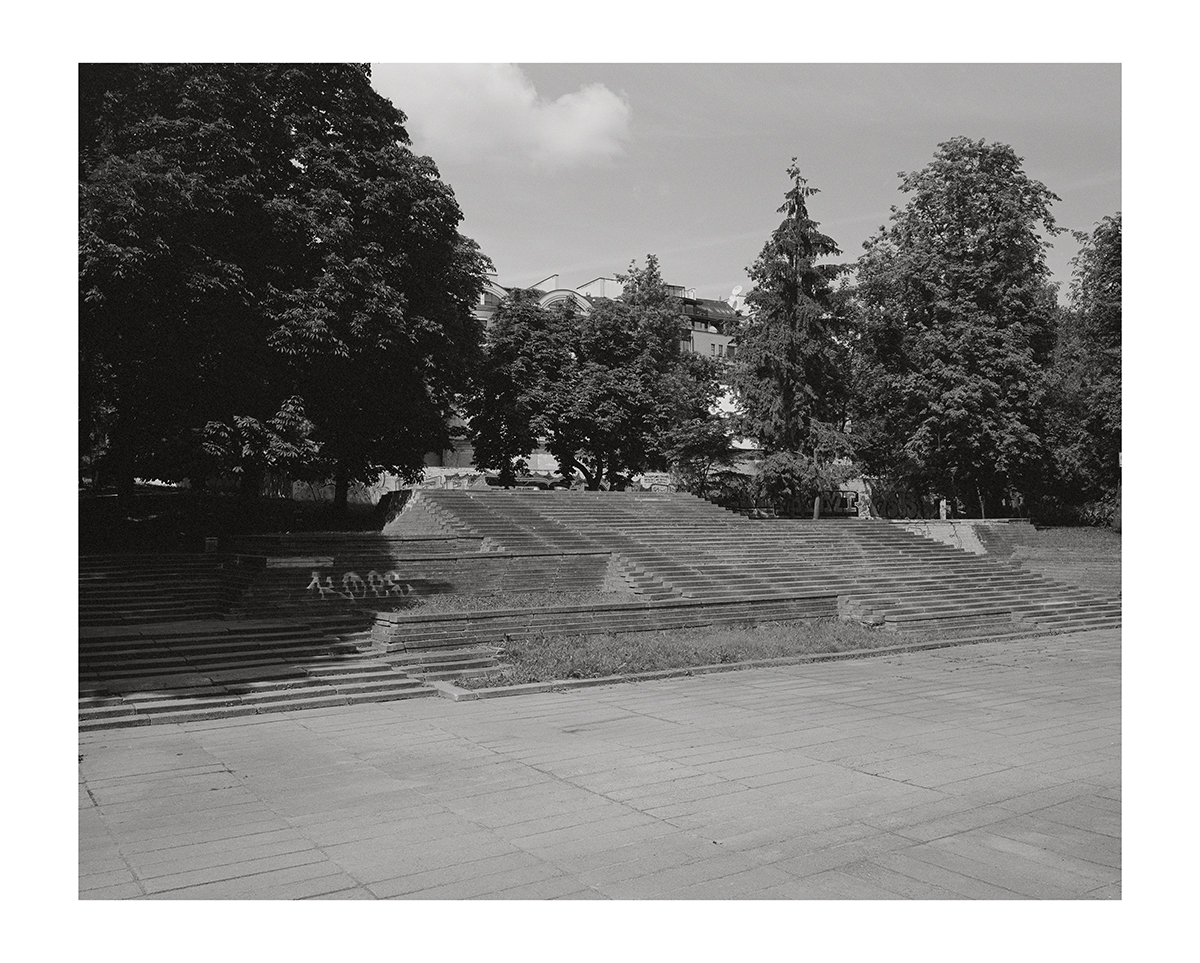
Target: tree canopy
{"x":1085,"y":386}
{"x":265,"y":267}
{"x":608,"y":391}
{"x":790,"y":374}
{"x":957,"y":329}
{"x":525,"y":356}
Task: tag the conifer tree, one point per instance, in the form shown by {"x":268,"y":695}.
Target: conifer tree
{"x":789,"y":376}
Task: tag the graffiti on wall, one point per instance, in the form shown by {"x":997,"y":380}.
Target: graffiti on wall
{"x":902,"y":505}
{"x":655,"y":481}
{"x":354,"y":587}
{"x":834,"y":503}
{"x":839,"y":503}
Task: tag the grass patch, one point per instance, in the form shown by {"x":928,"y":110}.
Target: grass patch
{"x":1065,"y":544}
{"x":551,"y":658}
{"x":1071,"y":542}
{"x":1088,"y":558}
{"x":452,"y":604}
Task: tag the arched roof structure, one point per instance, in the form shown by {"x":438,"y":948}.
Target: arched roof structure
{"x":559,"y":295}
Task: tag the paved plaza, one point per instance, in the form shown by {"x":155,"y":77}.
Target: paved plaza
{"x":988,"y":771}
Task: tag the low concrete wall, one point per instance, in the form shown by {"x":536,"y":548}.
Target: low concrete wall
{"x":398,"y":631}
{"x":962,"y":533}
{"x":312,"y":583}
{"x":343,"y":545}
{"x":957,"y":533}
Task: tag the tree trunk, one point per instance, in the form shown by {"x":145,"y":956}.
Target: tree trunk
{"x":341,"y":489}
{"x":125,"y":488}
{"x":120,"y":469}
{"x":251,"y":485}
{"x":596,"y":477}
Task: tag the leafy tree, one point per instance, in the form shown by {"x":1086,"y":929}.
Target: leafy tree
{"x":378,"y":318}
{"x":281,"y":444}
{"x":176,"y":247}
{"x":259,"y":247}
{"x":698,"y":445}
{"x":608,"y":392}
{"x":1084,"y":401}
{"x":957,"y":329}
{"x":525,"y":354}
{"x":609,"y":415}
{"x":790,"y":373}
{"x":789,"y":481}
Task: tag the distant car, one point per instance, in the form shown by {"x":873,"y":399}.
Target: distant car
{"x":526,"y":481}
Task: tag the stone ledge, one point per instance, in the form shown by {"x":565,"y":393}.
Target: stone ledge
{"x":655,"y":605}
{"x":399,"y":634}
{"x":448,"y":690}
{"x":301,"y":561}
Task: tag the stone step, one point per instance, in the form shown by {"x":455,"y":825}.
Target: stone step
{"x":462,"y":654}
{"x":464,"y":673}
{"x":709,"y":554}
{"x":167,"y":710}
{"x":446,"y":668}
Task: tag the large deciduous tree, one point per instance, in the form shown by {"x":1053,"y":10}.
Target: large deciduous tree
{"x":609,"y":415}
{"x":177,"y":248}
{"x":1085,"y":396}
{"x":607,"y":391}
{"x":957,"y":329}
{"x":525,"y":354}
{"x":790,"y":376}
{"x":263,"y":258}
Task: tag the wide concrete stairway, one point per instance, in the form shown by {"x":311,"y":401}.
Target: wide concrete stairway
{"x":169,"y":638}
{"x":196,"y":671}
{"x":881,"y":574}
{"x":133,"y":589}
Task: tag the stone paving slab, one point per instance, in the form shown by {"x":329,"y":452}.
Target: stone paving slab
{"x":983,"y":772}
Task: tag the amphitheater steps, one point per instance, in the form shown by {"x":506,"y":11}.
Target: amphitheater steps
{"x":146,"y":588}
{"x":448,"y":662}
{"x":186,"y":672}
{"x":705,"y":553}
{"x":401,"y":634}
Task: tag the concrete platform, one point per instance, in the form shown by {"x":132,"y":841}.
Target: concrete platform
{"x":982,"y":772}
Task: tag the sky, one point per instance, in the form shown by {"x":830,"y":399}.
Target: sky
{"x":579,"y":169}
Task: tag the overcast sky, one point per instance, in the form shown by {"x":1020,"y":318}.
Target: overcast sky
{"x":576,"y":169}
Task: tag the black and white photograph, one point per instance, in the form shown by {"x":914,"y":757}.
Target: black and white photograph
{"x":680,"y":483}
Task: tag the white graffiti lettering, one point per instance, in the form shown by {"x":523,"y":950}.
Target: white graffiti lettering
{"x":326,"y":589}
{"x":355,"y":587}
{"x":395,"y":586}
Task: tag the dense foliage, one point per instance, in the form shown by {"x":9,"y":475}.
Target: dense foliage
{"x":272,"y":281}
{"x":1085,"y":387}
{"x":790,"y":377}
{"x":607,"y":391}
{"x":957,"y":330}
{"x":526,"y":353}
{"x":266,"y":270}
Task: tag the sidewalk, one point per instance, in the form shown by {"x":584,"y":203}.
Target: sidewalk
{"x":986,"y":771}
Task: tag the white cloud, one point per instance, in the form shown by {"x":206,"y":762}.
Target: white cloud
{"x":473,"y":112}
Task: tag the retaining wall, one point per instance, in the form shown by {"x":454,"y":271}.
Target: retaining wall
{"x":399,"y":631}
{"x":312,"y":584}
